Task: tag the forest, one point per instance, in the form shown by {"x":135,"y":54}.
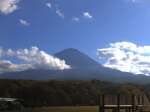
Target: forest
{"x":65,"y":93}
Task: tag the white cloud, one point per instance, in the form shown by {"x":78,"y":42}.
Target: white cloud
{"x":49,"y":5}
{"x":24,"y":22}
{"x":1,"y":52}
{"x":60,"y":13}
{"x":40,"y":59}
{"x":8,"y":6}
{"x":127,"y":57}
{"x":133,"y":1}
{"x":8,"y":66}
{"x":33,"y":59}
{"x":76,"y":19}
{"x":87,"y":15}
{"x":136,"y":1}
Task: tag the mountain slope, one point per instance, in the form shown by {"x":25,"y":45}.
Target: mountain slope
{"x":76,"y":59}
{"x":83,"y":68}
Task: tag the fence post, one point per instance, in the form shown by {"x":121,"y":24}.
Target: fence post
{"x":143,"y":100}
{"x":138,"y":98}
{"x":133,"y":103}
{"x":118,"y":103}
{"x":101,"y":103}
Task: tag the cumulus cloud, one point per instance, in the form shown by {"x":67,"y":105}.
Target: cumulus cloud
{"x":127,"y":57}
{"x":76,"y":19}
{"x":49,"y":5}
{"x":60,"y":13}
{"x":8,"y":66}
{"x":24,"y":22}
{"x":87,"y":15}
{"x":33,"y":59}
{"x":8,"y":6}
{"x":40,"y":59}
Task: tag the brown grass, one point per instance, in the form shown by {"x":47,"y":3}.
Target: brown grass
{"x":67,"y":109}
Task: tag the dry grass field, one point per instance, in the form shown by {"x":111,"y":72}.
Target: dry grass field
{"x":74,"y":109}
{"x":67,"y":109}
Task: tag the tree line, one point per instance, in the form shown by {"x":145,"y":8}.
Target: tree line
{"x":65,"y":93}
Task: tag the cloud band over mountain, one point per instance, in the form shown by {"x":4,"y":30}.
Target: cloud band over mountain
{"x":32,"y":58}
{"x":127,"y":57}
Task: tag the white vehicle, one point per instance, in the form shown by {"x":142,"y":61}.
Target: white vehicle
{"x":10,"y":104}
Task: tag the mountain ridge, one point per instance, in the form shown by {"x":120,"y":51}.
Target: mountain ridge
{"x":83,"y":68}
{"x":76,"y":58}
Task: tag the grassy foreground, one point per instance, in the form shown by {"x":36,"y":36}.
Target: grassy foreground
{"x":67,"y":109}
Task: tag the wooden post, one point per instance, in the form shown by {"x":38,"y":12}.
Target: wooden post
{"x":126,"y":103}
{"x":133,"y":103}
{"x":113,"y":109}
{"x":127,"y":109}
{"x":118,"y":103}
{"x":101,"y":103}
{"x":126,"y":100}
{"x":138,"y":98}
{"x":143,"y":100}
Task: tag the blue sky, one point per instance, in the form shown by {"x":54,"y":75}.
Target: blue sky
{"x":88,"y":25}
{"x":113,"y":20}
